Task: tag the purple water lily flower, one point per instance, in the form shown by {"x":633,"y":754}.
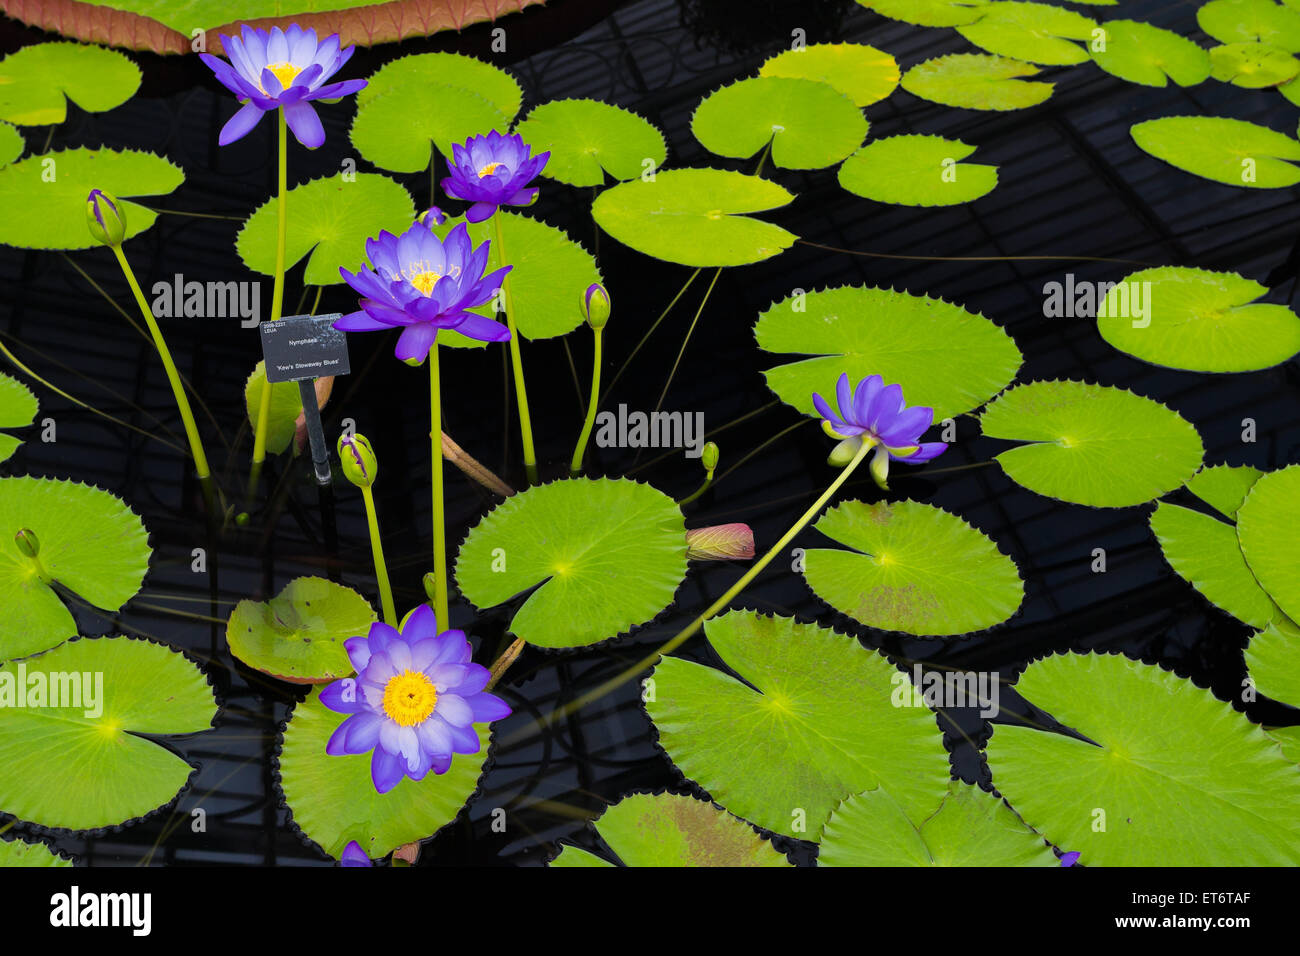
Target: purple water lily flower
{"x":421,"y":284}
{"x":875,"y":414}
{"x":282,"y":68}
{"x":353,"y":855}
{"x":1071,"y":858}
{"x":491,"y":171}
{"x":414,"y":701}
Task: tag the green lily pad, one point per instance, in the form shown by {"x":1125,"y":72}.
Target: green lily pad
{"x":1224,"y":487}
{"x":37,"y":81}
{"x":1140,"y":53}
{"x":44,"y":197}
{"x":603,"y":554}
{"x":334,"y":801}
{"x":298,"y":635}
{"x":1033,"y":32}
{"x":12,"y":144}
{"x":862,"y":73}
{"x":810,"y":125}
{"x":90,"y":543}
{"x":465,"y":73}
{"x":696,"y":217}
{"x":1266,"y":523}
{"x":944,"y":356}
{"x":398,"y":130}
{"x":1288,"y":741}
{"x":813,"y":724}
{"x":915,"y":170}
{"x":19,"y":853}
{"x":18,"y":408}
{"x":1225,"y":150}
{"x":1198,"y":320}
{"x":1162,"y":757}
{"x":286,"y":406}
{"x":588,"y":139}
{"x":912,"y":567}
{"x":1245,"y":21}
{"x":929,"y":13}
{"x":1252,"y":65}
{"x":968,"y":828}
{"x":1273,"y":660}
{"x":664,"y":829}
{"x":1092,"y":444}
{"x":977,"y":81}
{"x":78,"y":772}
{"x":329,"y":220}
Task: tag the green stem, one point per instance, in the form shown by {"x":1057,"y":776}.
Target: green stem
{"x":277,"y":293}
{"x":439,"y":518}
{"x":686,"y":341}
{"x":517,"y":362}
{"x":662,"y":315}
{"x":575,"y":466}
{"x":708,"y":480}
{"x":381,"y":567}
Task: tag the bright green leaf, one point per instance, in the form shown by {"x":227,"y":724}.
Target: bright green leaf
{"x":915,"y":170}
{"x":18,"y":408}
{"x":1224,"y":487}
{"x":1033,"y":32}
{"x":286,"y":406}
{"x":588,"y":138}
{"x":977,"y":81}
{"x":1243,"y":21}
{"x":37,"y":81}
{"x":12,"y":144}
{"x":1140,"y":53}
{"x":445,"y":69}
{"x":19,"y":853}
{"x":1273,"y":660}
{"x":862,"y":73}
{"x":1266,"y":527}
{"x":1252,"y":66}
{"x":929,"y":13}
{"x":399,"y":129}
{"x":1225,"y":150}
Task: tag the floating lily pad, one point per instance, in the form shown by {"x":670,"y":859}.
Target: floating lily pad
{"x":914,"y":170}
{"x":1140,"y":53}
{"x":696,"y":217}
{"x":977,"y":81}
{"x":1092,"y":444}
{"x":862,"y":73}
{"x":12,"y":144}
{"x":1266,"y":528}
{"x":1225,"y":150}
{"x":588,"y":139}
{"x":398,"y":130}
{"x":286,"y":406}
{"x":969,"y":828}
{"x":20,"y":853}
{"x":298,"y":635}
{"x":929,"y":13}
{"x":90,"y":543}
{"x":813,"y":724}
{"x":944,"y":356}
{"x":810,"y":125}
{"x":1287,"y":740}
{"x":329,"y":220}
{"x":1162,"y":757}
{"x":44,"y":197}
{"x":37,"y":81}
{"x":667,"y":830}
{"x":1273,"y":660}
{"x":1224,"y":487}
{"x":18,"y":408}
{"x":1252,"y":65}
{"x":442,"y":69}
{"x":1244,"y":21}
{"x":333,"y":798}
{"x":912,"y":567}
{"x":1033,"y":32}
{"x":80,"y":765}
{"x":603,"y":554}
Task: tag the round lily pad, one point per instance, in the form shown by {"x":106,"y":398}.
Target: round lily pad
{"x":12,"y":144}
{"x":76,"y":759}
{"x":1162,"y":757}
{"x":944,"y":356}
{"x":912,"y":567}
{"x":813,"y":723}
{"x":969,"y":828}
{"x":1252,"y":65}
{"x":286,"y":406}
{"x":915,"y":170}
{"x":1244,"y":21}
{"x":1273,"y":660}
{"x":1229,"y":151}
{"x":588,"y":139}
{"x":929,"y":13}
{"x":810,"y":125}
{"x":19,"y":853}
{"x":442,"y":69}
{"x":604,"y":556}
{"x":696,"y":217}
{"x":18,"y":408}
{"x":977,"y":81}
{"x":399,"y":129}
{"x":37,"y":81}
{"x":90,"y":543}
{"x":862,"y":73}
{"x":1266,"y":527}
{"x":44,"y":197}
{"x":1224,"y":487}
{"x":1140,"y":53}
{"x":1034,"y":32}
{"x":333,"y":798}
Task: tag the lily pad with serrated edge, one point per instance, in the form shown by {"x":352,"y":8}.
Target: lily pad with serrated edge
{"x":329,"y":221}
{"x":968,"y":828}
{"x":37,"y":81}
{"x":813,"y":723}
{"x":398,"y":130}
{"x":457,"y":70}
{"x":67,"y":770}
{"x":1245,"y":21}
{"x":1162,"y":757}
{"x":1198,"y":320}
{"x":977,"y":81}
{"x":1266,"y":527}
{"x":286,"y":406}
{"x":1273,"y":662}
{"x":862,"y":73}
{"x":1092,"y":444}
{"x":18,"y":408}
{"x":929,"y":13}
{"x":1252,"y":66}
{"x":1224,"y":487}
{"x":17,"y":852}
{"x":914,"y":170}
{"x":333,"y":798}
{"x":944,"y":356}
{"x":12,"y":144}
{"x":588,"y":139}
{"x":1287,"y":740}
{"x":1224,"y":150}
{"x":91,"y":543}
{"x":696,"y":217}
{"x":810,"y":124}
{"x":1141,"y":53}
{"x":664,"y":829}
{"x":44,"y":196}
{"x":912,"y":567}
{"x":1033,"y":32}
{"x":604,"y":555}
{"x":298,"y":635}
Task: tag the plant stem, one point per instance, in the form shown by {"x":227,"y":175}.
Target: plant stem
{"x":662,"y":315}
{"x":708,"y":480}
{"x":277,"y":290}
{"x":502,"y":663}
{"x":381,"y":567}
{"x":439,"y":518}
{"x":575,"y":466}
{"x":516,"y":361}
{"x":687,"y":339}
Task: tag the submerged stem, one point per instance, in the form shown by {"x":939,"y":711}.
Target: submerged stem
{"x":687,"y":339}
{"x":381,"y":567}
{"x":516,"y":361}
{"x":439,"y":518}
{"x":277,"y":290}
{"x":662,"y":315}
{"x":575,"y":466}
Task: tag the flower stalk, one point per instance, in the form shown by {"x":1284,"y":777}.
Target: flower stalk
{"x":435,"y":463}
{"x":277,"y":293}
{"x":596,"y":309}
{"x":516,"y":362}
{"x":361,"y":467}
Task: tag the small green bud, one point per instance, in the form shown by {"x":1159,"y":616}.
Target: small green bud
{"x":880,"y":467}
{"x":28,"y":543}
{"x":105,"y":218}
{"x":709,"y":456}
{"x":843,"y":453}
{"x":430,"y":586}
{"x":242,"y":519}
{"x":596,"y":306}
{"x":360,"y":466}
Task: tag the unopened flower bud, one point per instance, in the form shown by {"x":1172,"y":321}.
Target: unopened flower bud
{"x":880,"y":467}
{"x":430,"y":585}
{"x":358,"y":460}
{"x":28,"y":544}
{"x":720,"y":542}
{"x":105,"y":218}
{"x":596,"y":306}
{"x":709,"y":456}
{"x":433,"y":216}
{"x":843,"y":453}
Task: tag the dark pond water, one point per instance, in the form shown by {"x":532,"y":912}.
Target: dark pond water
{"x":1072,"y":185}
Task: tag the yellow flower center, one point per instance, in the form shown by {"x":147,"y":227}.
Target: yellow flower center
{"x":409,"y":698}
{"x":488,"y":170}
{"x":284,"y":72}
{"x":424,"y":281}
